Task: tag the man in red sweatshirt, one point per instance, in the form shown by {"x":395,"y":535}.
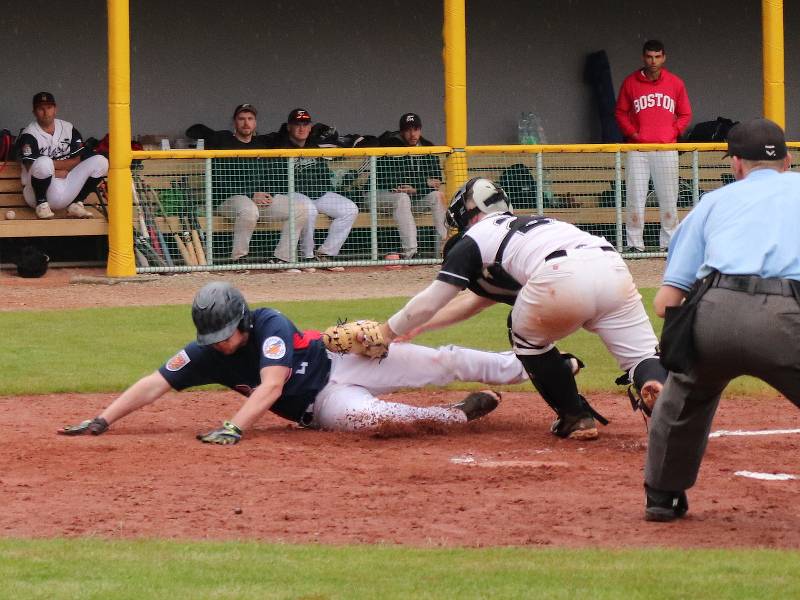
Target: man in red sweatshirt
{"x":652,"y":108}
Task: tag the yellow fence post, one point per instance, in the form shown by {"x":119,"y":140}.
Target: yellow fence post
{"x":772,"y":45}
{"x":455,"y":92}
{"x":121,"y":261}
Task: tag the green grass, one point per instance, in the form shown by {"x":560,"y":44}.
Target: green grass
{"x":93,"y":568}
{"x":107,"y":349}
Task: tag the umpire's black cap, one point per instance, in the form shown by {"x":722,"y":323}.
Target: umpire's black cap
{"x":759,"y":139}
{"x":43,"y":98}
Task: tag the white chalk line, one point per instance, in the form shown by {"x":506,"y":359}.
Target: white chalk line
{"x":723,"y":432}
{"x":471,"y":461}
{"x":766,"y":476}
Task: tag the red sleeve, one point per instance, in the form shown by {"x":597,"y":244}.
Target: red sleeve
{"x":623,"y":111}
{"x":683,"y":110}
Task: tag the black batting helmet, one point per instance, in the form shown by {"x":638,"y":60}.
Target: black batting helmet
{"x":217,"y":311}
{"x":478,"y":195}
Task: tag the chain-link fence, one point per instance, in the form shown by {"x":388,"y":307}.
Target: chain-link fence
{"x":294,"y":212}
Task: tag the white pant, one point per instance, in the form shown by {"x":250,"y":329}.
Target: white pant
{"x":348,"y":402}
{"x":62,"y":191}
{"x":342,"y":210}
{"x":246,"y":213}
{"x":588,"y":288}
{"x":662,"y":166}
{"x":400,"y":203}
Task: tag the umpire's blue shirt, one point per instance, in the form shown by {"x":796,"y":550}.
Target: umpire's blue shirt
{"x":749,"y":227}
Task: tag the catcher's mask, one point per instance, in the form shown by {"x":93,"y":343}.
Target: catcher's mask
{"x":217,"y":311}
{"x":478,"y":195}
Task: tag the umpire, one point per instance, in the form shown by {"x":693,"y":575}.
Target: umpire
{"x":744,"y":238}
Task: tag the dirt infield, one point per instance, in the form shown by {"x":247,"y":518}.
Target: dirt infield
{"x":502,"y":481}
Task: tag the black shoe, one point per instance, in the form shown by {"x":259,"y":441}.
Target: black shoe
{"x":478,"y":404}
{"x":575,"y":427}
{"x":664,"y":506}
{"x":634,"y":250}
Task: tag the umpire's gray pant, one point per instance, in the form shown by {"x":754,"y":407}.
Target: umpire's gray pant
{"x":736,"y":333}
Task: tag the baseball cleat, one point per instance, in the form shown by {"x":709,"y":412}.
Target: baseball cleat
{"x":478,"y":404}
{"x":580,"y":427}
{"x":650,"y":392}
{"x":664,"y":507}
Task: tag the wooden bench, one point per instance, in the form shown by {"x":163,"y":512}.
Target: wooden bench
{"x":26,"y":224}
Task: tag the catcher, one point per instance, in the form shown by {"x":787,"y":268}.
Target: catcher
{"x":264,"y":357}
{"x":557,"y":278}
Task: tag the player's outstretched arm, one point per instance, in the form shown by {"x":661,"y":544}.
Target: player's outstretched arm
{"x":259,"y":402}
{"x":145,"y":391}
{"x":460,"y":308}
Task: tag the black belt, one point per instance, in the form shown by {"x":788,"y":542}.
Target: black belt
{"x":561,"y":253}
{"x":752,"y":284}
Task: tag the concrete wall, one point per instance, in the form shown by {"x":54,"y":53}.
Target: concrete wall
{"x":358,"y":65}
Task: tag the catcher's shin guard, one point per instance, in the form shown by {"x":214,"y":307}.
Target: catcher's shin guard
{"x":552,"y":377}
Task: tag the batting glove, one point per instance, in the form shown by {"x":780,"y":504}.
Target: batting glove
{"x":94,"y":426}
{"x":227,"y":434}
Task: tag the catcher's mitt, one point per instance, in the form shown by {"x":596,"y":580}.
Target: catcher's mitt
{"x":362,"y":337}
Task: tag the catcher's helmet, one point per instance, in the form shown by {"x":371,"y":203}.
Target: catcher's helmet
{"x":478,"y":195}
{"x":217,"y":311}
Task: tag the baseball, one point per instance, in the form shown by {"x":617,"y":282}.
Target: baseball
{"x":10,"y":215}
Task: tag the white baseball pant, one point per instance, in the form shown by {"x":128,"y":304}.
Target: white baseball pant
{"x":406,"y":227}
{"x":342,"y":210}
{"x":589,"y":288}
{"x":349,"y":400}
{"x":62,"y":190}
{"x":246,"y":213}
{"x":662,"y":166}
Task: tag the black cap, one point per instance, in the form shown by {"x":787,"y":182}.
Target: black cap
{"x":299,"y":115}
{"x":759,"y":139}
{"x":43,"y":98}
{"x":409,"y":120}
{"x":245,"y":108}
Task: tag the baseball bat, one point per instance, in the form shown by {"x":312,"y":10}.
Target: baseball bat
{"x":175,"y":235}
{"x":152,"y":196}
{"x":198,"y":248}
{"x":187,"y":240}
{"x":182,"y":249}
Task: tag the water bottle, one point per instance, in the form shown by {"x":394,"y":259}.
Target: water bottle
{"x":201,"y":144}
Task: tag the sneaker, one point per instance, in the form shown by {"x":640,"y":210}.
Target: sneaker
{"x":634,"y":250}
{"x":580,"y":427}
{"x":43,"y":211}
{"x":279,"y":261}
{"x":322,"y":257}
{"x":664,"y":506}
{"x":76,"y":210}
{"x":650,"y":392}
{"x":478,"y":404}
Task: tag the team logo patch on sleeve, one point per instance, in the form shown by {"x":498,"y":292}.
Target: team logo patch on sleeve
{"x":27,"y":150}
{"x":177,"y":362}
{"x":274,"y":347}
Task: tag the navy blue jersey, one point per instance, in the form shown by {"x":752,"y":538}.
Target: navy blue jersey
{"x":274,"y":341}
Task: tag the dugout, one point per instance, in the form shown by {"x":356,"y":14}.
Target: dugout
{"x":360,"y":64}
